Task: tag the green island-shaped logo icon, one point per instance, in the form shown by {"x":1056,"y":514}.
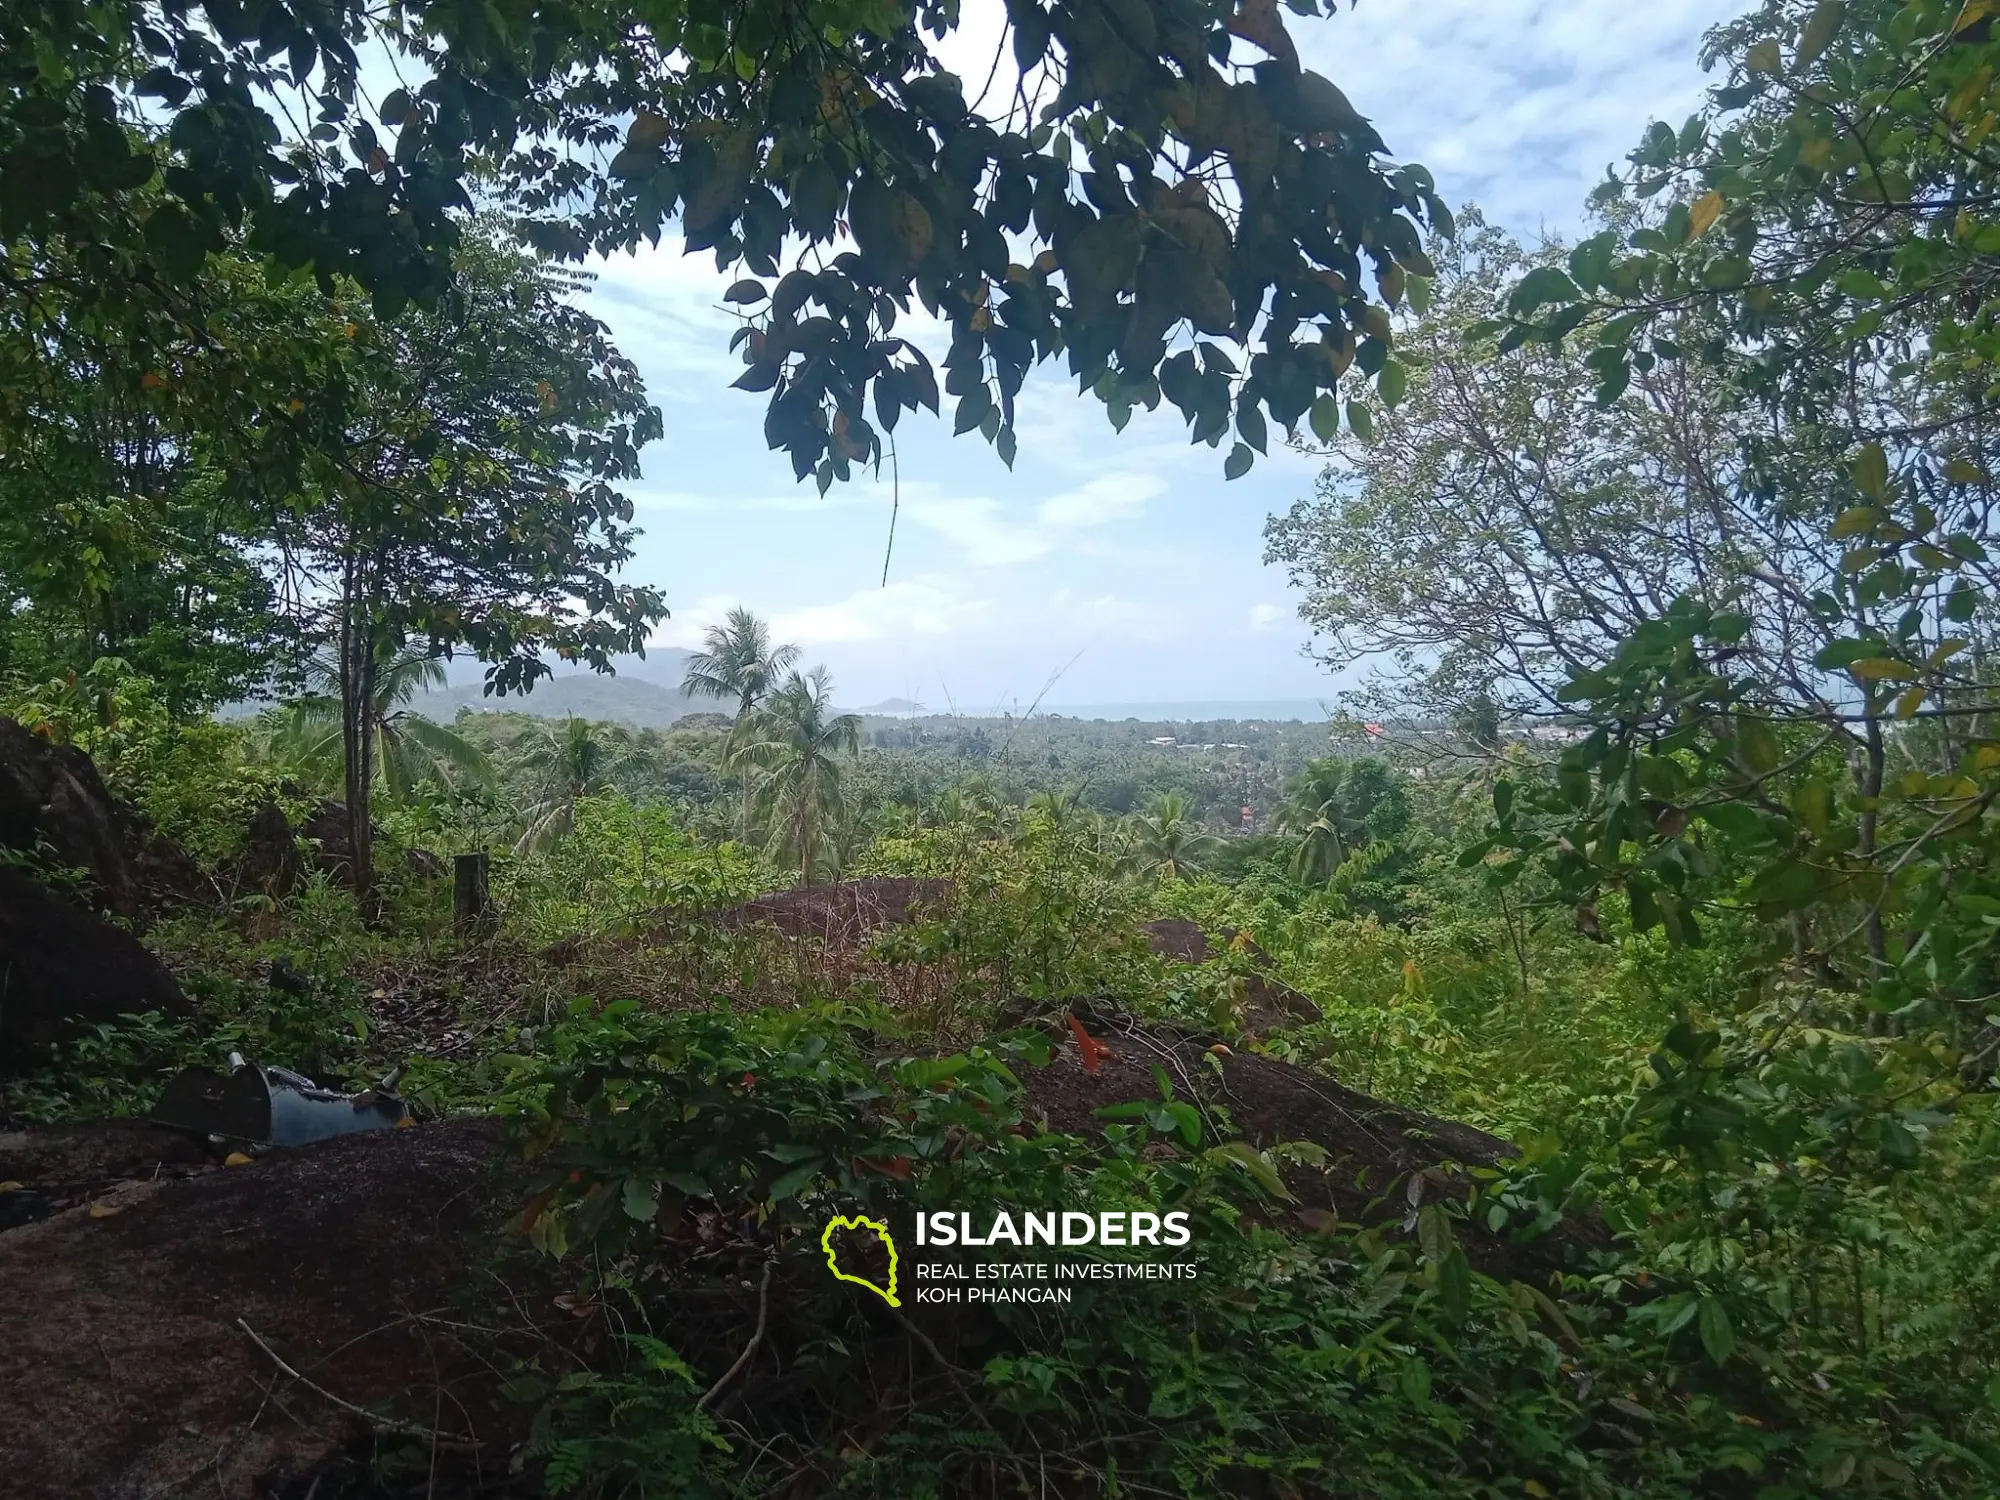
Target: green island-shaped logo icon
{"x":881,"y":1229}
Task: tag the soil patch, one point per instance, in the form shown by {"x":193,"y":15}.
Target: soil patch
{"x":845,"y":913}
{"x":124,"y":1371}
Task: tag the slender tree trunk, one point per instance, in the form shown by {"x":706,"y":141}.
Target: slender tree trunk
{"x":361,"y":780}
{"x":1873,"y":762}
{"x":743,"y":810}
{"x":352,"y":714}
{"x":806,"y":832}
{"x":357,"y":704}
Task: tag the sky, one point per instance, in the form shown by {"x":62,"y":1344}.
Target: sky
{"x":1106,"y":567}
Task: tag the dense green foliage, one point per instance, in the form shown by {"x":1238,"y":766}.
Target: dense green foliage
{"x":1676,"y":867}
{"x":139,"y":139}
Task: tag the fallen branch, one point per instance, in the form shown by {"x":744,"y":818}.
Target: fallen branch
{"x":749,"y":1349}
{"x":383,"y":1424}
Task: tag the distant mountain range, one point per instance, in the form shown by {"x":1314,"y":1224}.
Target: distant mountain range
{"x":644,"y":693}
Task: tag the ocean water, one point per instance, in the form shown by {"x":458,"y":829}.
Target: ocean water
{"x":1277,"y":710}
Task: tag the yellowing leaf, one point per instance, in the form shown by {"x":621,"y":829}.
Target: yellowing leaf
{"x":237,"y":1159}
{"x":1765,"y":58}
{"x":1813,"y":803}
{"x":1853,"y":521}
{"x":1820,"y":27}
{"x":648,"y":131}
{"x":105,"y":1210}
{"x":1705,"y":211}
{"x":1909,"y":703}
{"x":1975,"y":12}
{"x":11,"y":1186}
{"x":1882,"y":668}
{"x":1871,"y":471}
{"x":1970,"y":94}
{"x":1536,"y":1488}
{"x":1945,"y":651}
{"x":1960,"y":471}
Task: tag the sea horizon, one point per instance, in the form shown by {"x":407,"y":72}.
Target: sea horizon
{"x":1155,"y":711}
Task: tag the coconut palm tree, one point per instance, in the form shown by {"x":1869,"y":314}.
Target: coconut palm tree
{"x":738,"y":662}
{"x":570,"y":761}
{"x":794,"y":744}
{"x":1166,"y":843}
{"x":1337,"y":808}
{"x":303,"y":735}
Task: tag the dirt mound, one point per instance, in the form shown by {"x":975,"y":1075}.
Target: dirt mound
{"x":64,"y":969}
{"x":125,"y":1370}
{"x":1383,"y":1160}
{"x":1266,"y":1002}
{"x":845,"y":913}
{"x":1178,"y":939}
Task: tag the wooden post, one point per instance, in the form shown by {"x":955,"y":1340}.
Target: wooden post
{"x":471,"y":907}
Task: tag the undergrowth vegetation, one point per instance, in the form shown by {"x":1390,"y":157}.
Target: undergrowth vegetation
{"x":1577,"y":1069}
{"x":1743,"y":1249}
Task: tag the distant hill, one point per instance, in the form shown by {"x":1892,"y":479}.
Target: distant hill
{"x":645,"y":694}
{"x":891,"y":707}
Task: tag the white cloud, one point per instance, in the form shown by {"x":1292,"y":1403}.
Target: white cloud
{"x":1109,"y":615}
{"x":919,"y":607}
{"x":1517,"y":104}
{"x":1103,"y":541}
{"x":689,"y":622}
{"x":1114,"y":497}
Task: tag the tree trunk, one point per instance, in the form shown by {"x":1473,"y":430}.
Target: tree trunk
{"x":357,"y":700}
{"x":1864,"y":845}
{"x":470,"y":895}
{"x":743,"y":813}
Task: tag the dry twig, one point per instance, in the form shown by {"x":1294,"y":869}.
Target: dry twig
{"x":383,"y":1424}
{"x":749,"y":1349}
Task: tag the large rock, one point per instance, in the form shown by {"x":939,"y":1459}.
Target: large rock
{"x":277,"y":853}
{"x":64,"y":969}
{"x":54,"y":805}
{"x":127,"y":1366}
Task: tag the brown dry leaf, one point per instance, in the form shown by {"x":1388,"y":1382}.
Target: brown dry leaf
{"x":237,"y":1159}
{"x":11,"y":1186}
{"x":105,"y":1210}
